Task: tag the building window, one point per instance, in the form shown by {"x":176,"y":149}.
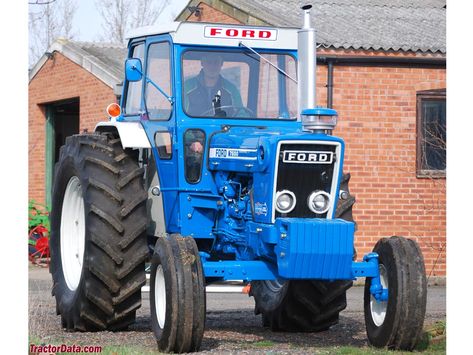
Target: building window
{"x":431,"y":133}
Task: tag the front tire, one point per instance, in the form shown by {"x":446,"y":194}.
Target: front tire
{"x":397,"y":323}
{"x":177,"y":297}
{"x":98,"y":244}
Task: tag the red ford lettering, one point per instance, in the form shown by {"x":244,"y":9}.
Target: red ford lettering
{"x":214,"y":31}
{"x":248,"y":33}
{"x":240,"y":33}
{"x":264,"y":34}
{"x":231,"y":32}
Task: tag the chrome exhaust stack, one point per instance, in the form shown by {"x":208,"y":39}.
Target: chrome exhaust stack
{"x":306,"y":63}
{"x":317,"y":120}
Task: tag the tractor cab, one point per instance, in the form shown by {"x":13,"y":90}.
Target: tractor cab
{"x":213,"y":101}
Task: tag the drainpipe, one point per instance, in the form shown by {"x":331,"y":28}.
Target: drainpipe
{"x":329,"y":84}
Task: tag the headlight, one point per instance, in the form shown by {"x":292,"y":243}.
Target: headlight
{"x":285,"y":201}
{"x":319,"y":202}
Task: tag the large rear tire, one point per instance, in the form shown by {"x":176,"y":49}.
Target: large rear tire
{"x":300,"y":306}
{"x":397,"y":323}
{"x":304,"y":305}
{"x":98,"y":244}
{"x":177,"y":296}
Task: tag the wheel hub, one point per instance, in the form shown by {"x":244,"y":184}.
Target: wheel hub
{"x":160,"y":296}
{"x":72,"y":233}
{"x":378,"y":308}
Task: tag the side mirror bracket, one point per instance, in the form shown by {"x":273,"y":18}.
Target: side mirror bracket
{"x":134,"y":72}
{"x":133,"y":69}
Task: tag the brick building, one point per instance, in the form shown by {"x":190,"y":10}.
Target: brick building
{"x":69,"y":89}
{"x":381,"y":65}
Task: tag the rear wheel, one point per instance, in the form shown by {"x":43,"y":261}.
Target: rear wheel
{"x":304,"y":305}
{"x":300,"y":306}
{"x":177,"y":296}
{"x":98,"y":245}
{"x":397,"y":323}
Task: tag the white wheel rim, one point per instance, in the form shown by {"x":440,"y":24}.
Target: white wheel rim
{"x":160,"y":296}
{"x":72,"y":233}
{"x":378,"y":308}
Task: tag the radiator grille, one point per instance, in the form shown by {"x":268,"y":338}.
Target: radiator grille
{"x":303,"y":178}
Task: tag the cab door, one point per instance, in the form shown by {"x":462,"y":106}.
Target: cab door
{"x":158,"y":119}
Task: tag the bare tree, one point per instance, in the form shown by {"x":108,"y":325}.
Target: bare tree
{"x":67,"y":11}
{"x":119,"y":16}
{"x":115,"y":15}
{"x":47,"y":22}
{"x":41,"y":2}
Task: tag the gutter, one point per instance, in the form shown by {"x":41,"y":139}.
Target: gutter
{"x":384,"y":61}
{"x":330,"y":61}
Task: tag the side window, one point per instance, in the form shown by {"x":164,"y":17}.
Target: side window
{"x":133,"y":92}
{"x":194,"y":145}
{"x":163,"y":144}
{"x":159,"y":70}
{"x":431,"y":133}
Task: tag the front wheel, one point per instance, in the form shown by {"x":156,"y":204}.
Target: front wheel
{"x":177,"y":297}
{"x":397,"y":323}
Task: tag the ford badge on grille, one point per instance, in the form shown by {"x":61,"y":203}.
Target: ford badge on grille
{"x":307,"y":157}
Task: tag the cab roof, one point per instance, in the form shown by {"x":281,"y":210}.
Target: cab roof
{"x":211,"y":34}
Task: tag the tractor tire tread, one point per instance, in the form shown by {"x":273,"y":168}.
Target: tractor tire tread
{"x":109,"y":292}
{"x":402,"y":327}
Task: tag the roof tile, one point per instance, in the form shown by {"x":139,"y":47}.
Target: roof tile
{"x":410,"y":25}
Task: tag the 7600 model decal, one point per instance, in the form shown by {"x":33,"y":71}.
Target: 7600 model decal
{"x":228,"y":153}
{"x":307,"y":157}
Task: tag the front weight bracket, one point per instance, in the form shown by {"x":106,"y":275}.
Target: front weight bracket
{"x":376,"y":288}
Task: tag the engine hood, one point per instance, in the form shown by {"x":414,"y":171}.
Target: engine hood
{"x":251,"y":149}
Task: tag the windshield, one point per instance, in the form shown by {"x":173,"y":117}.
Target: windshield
{"x":238,"y":85}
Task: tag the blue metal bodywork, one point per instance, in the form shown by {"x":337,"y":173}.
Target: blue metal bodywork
{"x":242,"y":226}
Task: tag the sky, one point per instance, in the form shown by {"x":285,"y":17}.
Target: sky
{"x":88,"y":23}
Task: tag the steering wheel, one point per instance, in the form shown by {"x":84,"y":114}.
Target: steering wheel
{"x":236,"y":111}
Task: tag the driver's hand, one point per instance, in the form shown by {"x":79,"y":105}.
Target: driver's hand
{"x":196,"y":147}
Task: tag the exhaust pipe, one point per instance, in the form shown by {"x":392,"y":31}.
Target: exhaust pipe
{"x":306,"y":66}
{"x":314,"y":119}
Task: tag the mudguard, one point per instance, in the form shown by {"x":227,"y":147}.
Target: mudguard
{"x":132,"y":134}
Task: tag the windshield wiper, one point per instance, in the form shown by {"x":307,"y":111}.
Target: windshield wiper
{"x":241,"y":44}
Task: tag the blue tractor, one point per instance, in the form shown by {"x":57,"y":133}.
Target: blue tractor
{"x":217,"y":165}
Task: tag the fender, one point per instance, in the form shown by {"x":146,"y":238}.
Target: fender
{"x":132,"y":134}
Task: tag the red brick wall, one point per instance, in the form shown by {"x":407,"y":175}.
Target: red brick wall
{"x":60,"y":79}
{"x":377,"y":119}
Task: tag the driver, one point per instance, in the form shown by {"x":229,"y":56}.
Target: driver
{"x":201,"y":89}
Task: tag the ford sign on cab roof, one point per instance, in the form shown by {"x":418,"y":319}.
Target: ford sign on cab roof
{"x":222,"y":34}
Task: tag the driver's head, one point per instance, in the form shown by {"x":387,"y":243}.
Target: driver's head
{"x":211,"y":65}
